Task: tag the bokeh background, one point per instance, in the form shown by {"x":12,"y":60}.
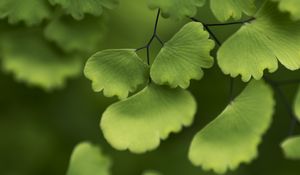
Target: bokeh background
{"x":39,"y":128}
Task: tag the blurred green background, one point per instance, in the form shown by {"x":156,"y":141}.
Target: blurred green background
{"x":38,"y":128}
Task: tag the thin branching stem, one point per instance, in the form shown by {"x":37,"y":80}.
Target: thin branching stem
{"x":206,"y":26}
{"x":154,"y":36}
{"x":211,"y":33}
{"x":231,"y":23}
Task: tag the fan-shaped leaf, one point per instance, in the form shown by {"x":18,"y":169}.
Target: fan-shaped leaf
{"x":291,"y":148}
{"x":34,"y":61}
{"x":78,"y":8}
{"x":224,"y":10}
{"x":182,"y":58}
{"x":87,"y":159}
{"x":233,"y":137}
{"x":291,"y":6}
{"x":258,"y":45}
{"x":30,"y":11}
{"x":177,"y":9}
{"x":139,"y":122}
{"x":71,"y":35}
{"x":116,"y":72}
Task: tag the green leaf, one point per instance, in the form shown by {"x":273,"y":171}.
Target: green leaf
{"x":87,"y":159}
{"x":177,"y":9}
{"x":291,"y":6}
{"x":116,"y":72}
{"x":232,"y":138}
{"x":258,"y":45}
{"x":72,"y":35}
{"x":291,"y":148}
{"x":139,"y":122}
{"x":182,"y":58}
{"x":30,"y":11}
{"x":224,"y":10}
{"x":297,"y":104}
{"x":32,"y":60}
{"x":151,"y":172}
{"x":78,"y":8}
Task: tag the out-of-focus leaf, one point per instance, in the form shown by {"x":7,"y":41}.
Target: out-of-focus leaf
{"x":78,"y":8}
{"x":87,"y":159}
{"x":30,"y":11}
{"x":32,"y":60}
{"x":291,"y":148}
{"x":72,"y":35}
{"x":291,"y":6}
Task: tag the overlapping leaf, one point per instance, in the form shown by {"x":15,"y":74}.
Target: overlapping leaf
{"x":30,"y":11}
{"x":32,"y":60}
{"x":291,"y":147}
{"x":291,"y":6}
{"x":177,"y":9}
{"x":87,"y":159}
{"x":116,"y":72}
{"x":182,"y":58}
{"x":78,"y":8}
{"x":259,"y":45}
{"x":139,"y":122}
{"x":224,"y":10}
{"x":71,"y":35}
{"x":232,"y":138}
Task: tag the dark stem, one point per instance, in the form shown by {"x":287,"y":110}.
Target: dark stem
{"x":154,"y":36}
{"x":287,"y":105}
{"x":211,"y":33}
{"x":232,"y":23}
{"x":148,"y":60}
{"x":206,"y":26}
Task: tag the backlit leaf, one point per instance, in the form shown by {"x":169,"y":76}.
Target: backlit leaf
{"x":141,"y":121}
{"x":78,"y":8}
{"x":87,"y":159}
{"x":116,"y":72}
{"x":260,"y":44}
{"x":183,"y":57}
{"x":30,"y":11}
{"x":232,"y":138}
